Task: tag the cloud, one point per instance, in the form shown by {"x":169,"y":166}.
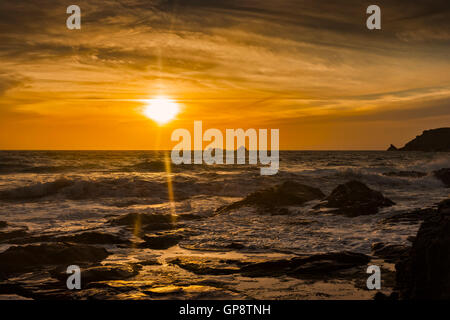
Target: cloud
{"x":302,"y":60}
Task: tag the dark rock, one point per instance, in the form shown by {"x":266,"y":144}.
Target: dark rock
{"x":379,"y":296}
{"x":390,"y":252}
{"x":93,"y":237}
{"x":444,"y":207}
{"x":443,"y":175}
{"x":89,"y":237}
{"x":392,"y":148}
{"x":3,"y":224}
{"x":316,"y":265}
{"x":320,"y":264}
{"x":355,"y":198}
{"x":409,"y":217}
{"x":100,"y":273}
{"x":202,"y":266}
{"x":235,"y":245}
{"x":146,"y":222}
{"x":425,"y":272}
{"x":431,"y":141}
{"x":19,"y":259}
{"x":190,"y":217}
{"x":286,"y":194}
{"x":11,"y":235}
{"x":149,"y":262}
{"x":160,"y":241}
{"x":405,"y":174}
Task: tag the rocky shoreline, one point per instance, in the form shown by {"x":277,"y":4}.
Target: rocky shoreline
{"x":33,"y":266}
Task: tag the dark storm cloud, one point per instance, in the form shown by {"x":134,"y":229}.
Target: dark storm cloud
{"x":9,"y":81}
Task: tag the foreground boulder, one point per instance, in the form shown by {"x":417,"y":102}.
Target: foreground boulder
{"x":289,"y":193}
{"x":28,"y":258}
{"x":354,"y":198}
{"x":443,"y":175}
{"x":425,"y":272}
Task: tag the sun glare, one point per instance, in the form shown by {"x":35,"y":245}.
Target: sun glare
{"x":161,"y":109}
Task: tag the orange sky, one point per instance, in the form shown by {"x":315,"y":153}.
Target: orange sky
{"x":311,"y":70}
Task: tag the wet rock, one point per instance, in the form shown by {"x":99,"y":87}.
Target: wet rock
{"x":203,"y":266}
{"x":235,"y":245}
{"x":390,"y":252}
{"x":354,"y":198}
{"x":93,"y":237}
{"x":409,"y":217}
{"x":425,"y":272}
{"x":160,"y":241}
{"x":444,"y":207}
{"x":146,"y":222}
{"x":89,"y":237}
{"x":329,"y":262}
{"x":27,"y":258}
{"x":190,"y":217}
{"x":405,"y":174}
{"x":3,"y":224}
{"x":11,"y":235}
{"x":286,"y":194}
{"x":100,"y":273}
{"x":194,"y":291}
{"x":443,"y":175}
{"x":320,"y":264}
{"x":149,"y":262}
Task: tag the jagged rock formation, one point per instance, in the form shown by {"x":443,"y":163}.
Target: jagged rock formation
{"x":443,"y":175}
{"x":286,"y":194}
{"x":354,"y":198}
{"x":392,"y":148}
{"x":425,"y":272}
{"x":429,"y":140}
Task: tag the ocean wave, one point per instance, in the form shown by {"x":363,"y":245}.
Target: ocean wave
{"x":429,"y":165}
{"x":380,"y":178}
{"x":79,"y":189}
{"x":83,"y":188}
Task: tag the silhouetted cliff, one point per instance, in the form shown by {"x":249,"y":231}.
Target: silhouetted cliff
{"x":429,"y":140}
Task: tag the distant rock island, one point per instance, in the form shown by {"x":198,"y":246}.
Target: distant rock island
{"x":429,"y":140}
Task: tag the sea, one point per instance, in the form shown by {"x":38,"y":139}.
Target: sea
{"x":65,"y":192}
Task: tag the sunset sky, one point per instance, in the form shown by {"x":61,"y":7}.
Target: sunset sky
{"x":309,"y":68}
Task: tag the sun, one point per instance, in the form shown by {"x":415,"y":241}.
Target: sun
{"x":161,"y":109}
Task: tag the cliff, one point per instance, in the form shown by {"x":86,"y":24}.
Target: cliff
{"x":429,"y":140}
